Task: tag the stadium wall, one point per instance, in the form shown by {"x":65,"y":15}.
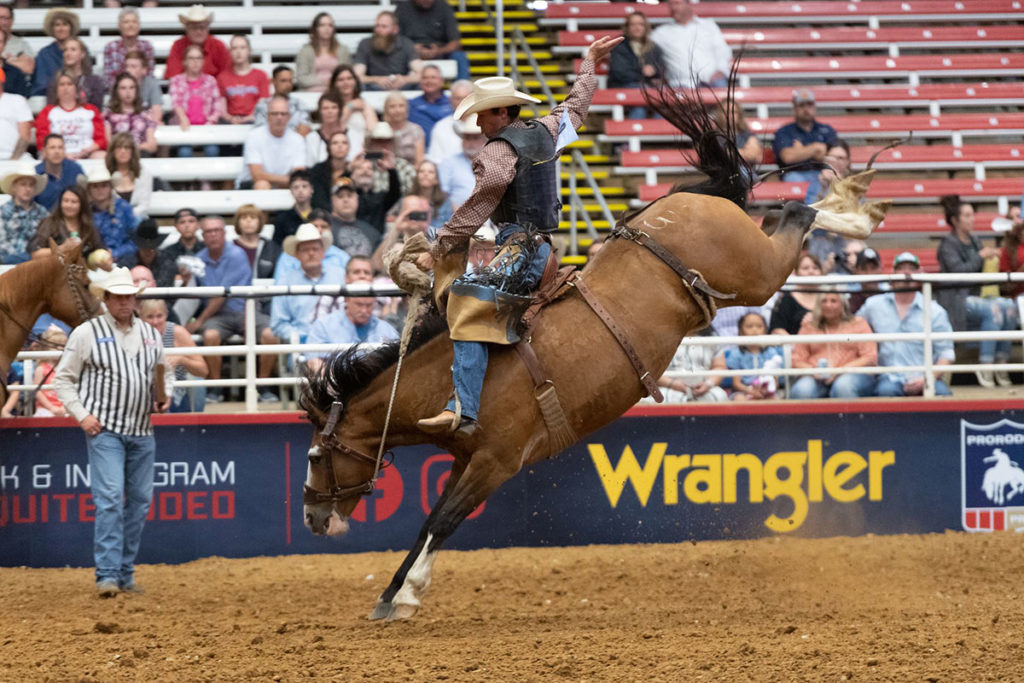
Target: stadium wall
{"x":230,"y":485}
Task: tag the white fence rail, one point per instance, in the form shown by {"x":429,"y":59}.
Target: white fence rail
{"x":250,"y":349}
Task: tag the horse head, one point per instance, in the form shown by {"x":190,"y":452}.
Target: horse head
{"x":70,"y":299}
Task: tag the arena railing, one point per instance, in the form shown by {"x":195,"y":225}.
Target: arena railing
{"x":928,"y":282}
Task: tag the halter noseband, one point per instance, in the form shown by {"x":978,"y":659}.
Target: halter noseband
{"x":337,"y":493}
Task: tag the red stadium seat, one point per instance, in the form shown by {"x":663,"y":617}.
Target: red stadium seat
{"x":995,"y":64}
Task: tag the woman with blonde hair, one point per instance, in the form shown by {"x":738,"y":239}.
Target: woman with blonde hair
{"x":318,"y":58}
{"x":831,"y":315}
{"x":636,"y":60}
{"x":47,"y":403}
{"x":154,"y":312}
{"x":132,"y":182}
{"x":410,"y":140}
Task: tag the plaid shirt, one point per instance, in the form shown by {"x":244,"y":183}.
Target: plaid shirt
{"x":495,"y":167}
{"x":113,"y":58}
{"x":17,"y":226}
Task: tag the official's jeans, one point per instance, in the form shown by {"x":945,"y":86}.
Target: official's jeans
{"x":849,"y":385}
{"x":889,"y":385}
{"x":470,"y":363}
{"x":988,"y":315}
{"x":121,"y":477}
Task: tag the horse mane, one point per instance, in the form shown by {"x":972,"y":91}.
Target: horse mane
{"x":346,"y":373}
{"x":714,"y":151}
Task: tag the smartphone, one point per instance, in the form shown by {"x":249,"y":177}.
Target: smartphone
{"x":374,"y":156}
{"x":418,"y":216}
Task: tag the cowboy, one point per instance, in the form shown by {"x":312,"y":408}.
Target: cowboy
{"x":20,"y":217}
{"x":147,"y":239}
{"x":111,"y":378}
{"x":216,"y":57}
{"x":113,"y":217}
{"x":517,"y":188}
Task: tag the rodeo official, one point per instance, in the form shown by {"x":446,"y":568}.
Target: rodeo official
{"x":518,"y":189}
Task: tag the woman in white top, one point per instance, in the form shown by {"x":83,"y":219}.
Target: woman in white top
{"x":410,"y":140}
{"x":328,"y":115}
{"x":357,"y":116}
{"x":318,"y":58}
{"x":132,"y":182}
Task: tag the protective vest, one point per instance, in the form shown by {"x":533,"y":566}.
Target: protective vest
{"x":531,"y":199}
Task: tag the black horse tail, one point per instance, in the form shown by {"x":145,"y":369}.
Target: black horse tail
{"x":714,"y":152}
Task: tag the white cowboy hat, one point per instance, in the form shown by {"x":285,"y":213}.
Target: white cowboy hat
{"x":468,"y":127}
{"x":382,"y":130}
{"x":307,"y":232}
{"x":97,"y":174}
{"x":60,"y":13}
{"x":488,"y":93}
{"x":196,"y":14}
{"x":24,"y":169}
{"x":119,"y":281}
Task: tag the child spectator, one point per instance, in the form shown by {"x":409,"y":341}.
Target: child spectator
{"x":80,"y":125}
{"x":154,"y":312}
{"x":261,"y":252}
{"x":753,"y":357}
{"x":318,"y":58}
{"x":136,"y":64}
{"x":195,"y":99}
{"x":132,"y":182}
{"x":288,"y":221}
{"x":242,"y":86}
{"x":116,"y":51}
{"x":125,"y":115}
{"x":831,"y":315}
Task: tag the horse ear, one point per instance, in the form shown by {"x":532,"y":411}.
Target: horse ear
{"x":53,"y":245}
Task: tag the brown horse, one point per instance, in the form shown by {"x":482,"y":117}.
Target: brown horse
{"x":57,"y":284}
{"x":347,"y":400}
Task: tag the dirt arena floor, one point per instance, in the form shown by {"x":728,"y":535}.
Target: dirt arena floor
{"x":897,"y":608}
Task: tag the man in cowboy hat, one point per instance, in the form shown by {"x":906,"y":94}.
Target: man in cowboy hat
{"x":216,"y":56}
{"x":456,"y":172}
{"x":517,"y":188}
{"x":291,"y":316}
{"x":147,"y":239}
{"x":20,"y":217}
{"x":113,"y":217}
{"x":62,"y":25}
{"x":111,"y":378}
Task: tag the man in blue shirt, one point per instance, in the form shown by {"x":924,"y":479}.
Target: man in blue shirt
{"x":432,"y":106}
{"x":356,"y":324}
{"x":903,"y":311}
{"x":798,"y":145}
{"x":113,"y":217}
{"x":291,"y":316}
{"x":227,"y":266}
{"x":60,"y":172}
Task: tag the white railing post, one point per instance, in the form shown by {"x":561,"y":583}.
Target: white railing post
{"x":251,"y":364}
{"x":929,"y":369}
{"x":499,"y":34}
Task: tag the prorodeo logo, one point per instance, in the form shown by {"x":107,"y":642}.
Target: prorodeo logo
{"x":802,"y":476}
{"x":991,"y":476}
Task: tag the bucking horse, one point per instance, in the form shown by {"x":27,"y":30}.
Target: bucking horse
{"x":602,"y":341}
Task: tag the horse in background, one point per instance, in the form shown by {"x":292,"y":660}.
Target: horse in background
{"x":57,"y":283}
{"x":703,"y":225}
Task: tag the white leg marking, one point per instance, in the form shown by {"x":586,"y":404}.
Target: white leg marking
{"x":417,"y":579}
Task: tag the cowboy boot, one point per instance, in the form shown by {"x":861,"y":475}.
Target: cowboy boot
{"x":447,"y":423}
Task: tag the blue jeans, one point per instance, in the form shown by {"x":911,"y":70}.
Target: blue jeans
{"x":462,"y":62}
{"x":850,"y":385}
{"x":121,"y":477}
{"x":988,"y":315}
{"x":208,"y":150}
{"x":470,"y":363}
{"x":892,"y":385}
{"x":808,"y":176}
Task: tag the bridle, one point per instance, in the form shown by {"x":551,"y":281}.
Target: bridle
{"x":338,"y":493}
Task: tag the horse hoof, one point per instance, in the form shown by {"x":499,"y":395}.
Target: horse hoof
{"x":403,"y":612}
{"x":383,"y":610}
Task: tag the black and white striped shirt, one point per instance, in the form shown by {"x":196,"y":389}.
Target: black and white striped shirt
{"x":108,"y":373}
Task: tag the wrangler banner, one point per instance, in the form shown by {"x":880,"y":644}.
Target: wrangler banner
{"x":232,"y":485}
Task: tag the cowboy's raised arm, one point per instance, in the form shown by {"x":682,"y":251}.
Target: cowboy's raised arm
{"x":577,"y":102}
